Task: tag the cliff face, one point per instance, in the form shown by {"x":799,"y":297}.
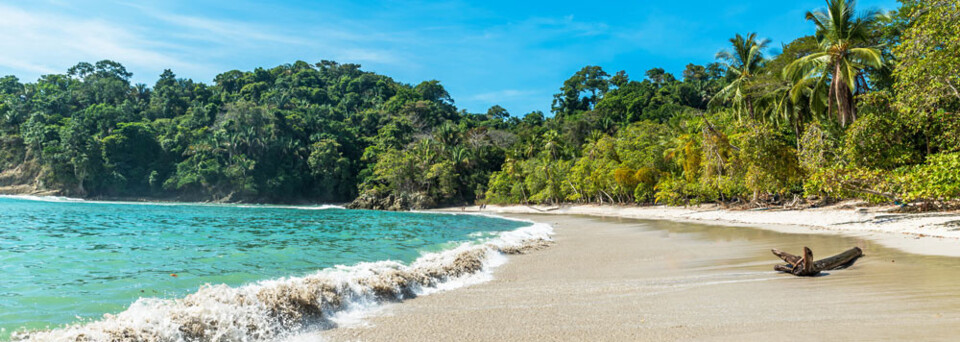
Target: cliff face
{"x":376,"y":200}
{"x":24,"y":179}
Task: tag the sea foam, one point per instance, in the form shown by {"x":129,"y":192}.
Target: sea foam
{"x":281,"y":308}
{"x":44,"y":198}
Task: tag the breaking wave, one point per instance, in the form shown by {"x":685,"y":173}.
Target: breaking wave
{"x":44,"y":198}
{"x":301,"y":207}
{"x":280,"y":308}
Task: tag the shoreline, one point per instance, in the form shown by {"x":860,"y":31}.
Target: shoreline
{"x":613,"y":279}
{"x":27,"y":193}
{"x":277,"y":307}
{"x":929,"y":233}
{"x":932,"y":233}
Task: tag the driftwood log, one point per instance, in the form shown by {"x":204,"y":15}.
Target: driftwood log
{"x":804,"y":266}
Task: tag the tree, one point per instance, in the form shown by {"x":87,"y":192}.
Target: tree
{"x":332,"y":169}
{"x":131,"y":154}
{"x":744,"y":62}
{"x":497,"y":113}
{"x":591,"y":81}
{"x":928,"y":73}
{"x":659,"y":77}
{"x":785,"y":100}
{"x":842,"y":58}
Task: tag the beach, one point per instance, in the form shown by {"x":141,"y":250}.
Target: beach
{"x":930,"y":233}
{"x":622,"y":279}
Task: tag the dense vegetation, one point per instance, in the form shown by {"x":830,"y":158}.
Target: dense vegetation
{"x":865,"y":108}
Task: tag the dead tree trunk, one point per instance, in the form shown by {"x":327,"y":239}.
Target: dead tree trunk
{"x":804,"y":266}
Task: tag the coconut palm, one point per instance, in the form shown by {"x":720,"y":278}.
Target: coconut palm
{"x":744,"y":62}
{"x":838,"y":66}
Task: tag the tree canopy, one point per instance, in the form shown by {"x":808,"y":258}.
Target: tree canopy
{"x":864,"y":108}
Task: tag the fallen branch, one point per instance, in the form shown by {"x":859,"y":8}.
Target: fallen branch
{"x":804,"y":266}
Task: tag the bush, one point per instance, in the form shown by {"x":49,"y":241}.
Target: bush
{"x":646,"y":181}
{"x":818,"y":149}
{"x":936,"y":180}
{"x":879,"y":139}
{"x":675,"y":191}
{"x":771,"y":163}
{"x":874,"y":186}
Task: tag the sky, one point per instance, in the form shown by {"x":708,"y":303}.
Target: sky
{"x":512,"y":53}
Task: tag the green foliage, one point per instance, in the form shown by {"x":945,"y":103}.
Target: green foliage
{"x":743,"y":63}
{"x":848,"y":182}
{"x":130,"y":154}
{"x":937,"y":179}
{"x":928,"y":72}
{"x":771,"y":164}
{"x":845,"y":52}
{"x":879,"y":139}
{"x":927,"y":76}
{"x":748,"y":128}
{"x":818,"y":149}
{"x":293,"y":132}
{"x":646,"y":178}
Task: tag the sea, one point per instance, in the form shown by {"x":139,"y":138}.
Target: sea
{"x":72,"y":269}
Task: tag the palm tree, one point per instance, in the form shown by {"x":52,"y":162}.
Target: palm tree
{"x":744,"y":62}
{"x":842,"y":57}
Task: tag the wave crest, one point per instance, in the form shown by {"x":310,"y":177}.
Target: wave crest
{"x":279,"y":308}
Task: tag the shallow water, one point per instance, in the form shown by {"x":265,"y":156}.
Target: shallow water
{"x":69,"y":261}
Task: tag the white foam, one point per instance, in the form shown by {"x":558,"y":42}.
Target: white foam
{"x":301,"y":207}
{"x":44,"y":198}
{"x":287,"y":307}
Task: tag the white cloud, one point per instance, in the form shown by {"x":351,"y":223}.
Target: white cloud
{"x":40,"y":42}
{"x":219,"y":31}
{"x":35,"y":40}
{"x":338,"y":44}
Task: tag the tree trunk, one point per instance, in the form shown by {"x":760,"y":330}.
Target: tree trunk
{"x":844,"y":97}
{"x":804,"y":266}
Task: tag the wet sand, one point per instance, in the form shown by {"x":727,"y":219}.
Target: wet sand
{"x":624,"y":280}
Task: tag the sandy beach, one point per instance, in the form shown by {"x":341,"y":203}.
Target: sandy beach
{"x":621,"y":279}
{"x":931,"y":233}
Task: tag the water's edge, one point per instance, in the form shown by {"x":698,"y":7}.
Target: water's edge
{"x":279,"y":308}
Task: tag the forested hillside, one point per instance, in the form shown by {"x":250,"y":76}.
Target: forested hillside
{"x":865,"y":108}
{"x":291,"y":133}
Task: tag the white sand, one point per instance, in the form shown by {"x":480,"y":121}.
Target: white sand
{"x":936,"y":233}
{"x":609,"y":279}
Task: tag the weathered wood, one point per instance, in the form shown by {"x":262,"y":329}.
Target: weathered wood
{"x":804,"y":266}
{"x":783,"y":268}
{"x":839,"y":261}
{"x":789,"y":258}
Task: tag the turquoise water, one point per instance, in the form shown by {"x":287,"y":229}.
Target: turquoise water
{"x":64,"y":261}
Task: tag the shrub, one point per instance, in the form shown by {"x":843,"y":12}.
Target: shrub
{"x":818,"y":149}
{"x":646,"y":181}
{"x":879,"y":139}
{"x":771,"y":163}
{"x":936,"y":180}
{"x":875,"y":186}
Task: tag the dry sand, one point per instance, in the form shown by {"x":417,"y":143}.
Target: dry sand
{"x":933,"y":233}
{"x":628,"y":280}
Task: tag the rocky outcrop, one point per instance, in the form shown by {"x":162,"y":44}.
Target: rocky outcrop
{"x":379,"y":200}
{"x":24,"y":179}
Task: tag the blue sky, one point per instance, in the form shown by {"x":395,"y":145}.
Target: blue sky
{"x":512,"y":53}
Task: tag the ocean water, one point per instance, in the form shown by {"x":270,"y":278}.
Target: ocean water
{"x":232,"y":272}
